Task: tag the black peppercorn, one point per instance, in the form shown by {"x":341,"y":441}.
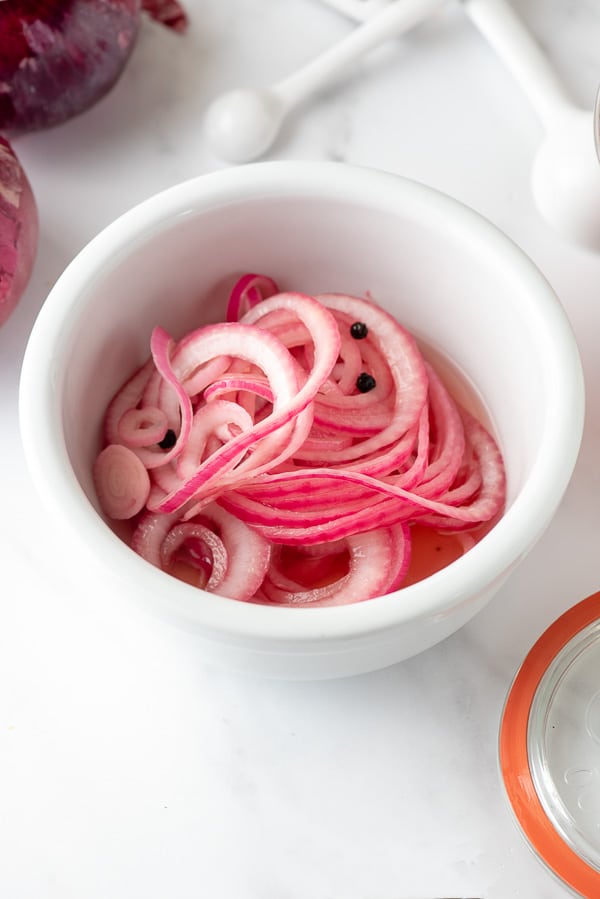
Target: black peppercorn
{"x":358,"y":330}
{"x":169,"y":440}
{"x":365,"y":382}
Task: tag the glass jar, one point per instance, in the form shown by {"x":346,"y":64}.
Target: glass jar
{"x":550,"y":747}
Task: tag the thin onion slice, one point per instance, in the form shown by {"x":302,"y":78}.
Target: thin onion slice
{"x":247,"y":552}
{"x":247,"y":292}
{"x":198,"y":547}
{"x":371,"y":559}
{"x":127,"y":398}
{"x":122,"y":482}
{"x":142,"y":427}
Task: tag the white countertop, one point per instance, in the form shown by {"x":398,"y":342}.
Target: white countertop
{"x":128,"y":768}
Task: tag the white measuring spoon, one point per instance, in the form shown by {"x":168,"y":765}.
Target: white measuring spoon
{"x":565,"y":177}
{"x":242,"y":124}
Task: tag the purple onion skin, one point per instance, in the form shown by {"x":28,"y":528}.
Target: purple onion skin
{"x":58,"y":57}
{"x":18,"y":230}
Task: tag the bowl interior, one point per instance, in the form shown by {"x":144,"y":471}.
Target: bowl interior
{"x":459,"y":302}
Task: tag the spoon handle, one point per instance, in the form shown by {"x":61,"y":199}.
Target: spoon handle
{"x":523,"y":57}
{"x":360,"y":10}
{"x":395,"y":18}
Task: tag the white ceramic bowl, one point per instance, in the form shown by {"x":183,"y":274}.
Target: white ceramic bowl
{"x":446,"y":273}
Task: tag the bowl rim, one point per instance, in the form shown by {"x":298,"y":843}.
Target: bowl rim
{"x":40,"y":405}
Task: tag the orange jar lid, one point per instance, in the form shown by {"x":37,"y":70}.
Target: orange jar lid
{"x":550,"y":747}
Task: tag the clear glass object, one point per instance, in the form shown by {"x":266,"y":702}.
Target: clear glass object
{"x":550,"y":747}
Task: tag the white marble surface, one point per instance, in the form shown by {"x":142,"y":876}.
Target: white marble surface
{"x":128,"y":768}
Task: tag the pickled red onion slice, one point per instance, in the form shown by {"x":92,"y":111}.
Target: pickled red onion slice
{"x":219,"y":418}
{"x":122,"y":483}
{"x":372,"y":557}
{"x":172,"y":391}
{"x":142,"y":427}
{"x":246,"y":552}
{"x":406,"y":367}
{"x":127,"y":398}
{"x":247,"y":292}
{"x":198,"y":547}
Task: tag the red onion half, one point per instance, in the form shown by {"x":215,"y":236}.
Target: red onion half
{"x":18,"y":230}
{"x":58,"y":57}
